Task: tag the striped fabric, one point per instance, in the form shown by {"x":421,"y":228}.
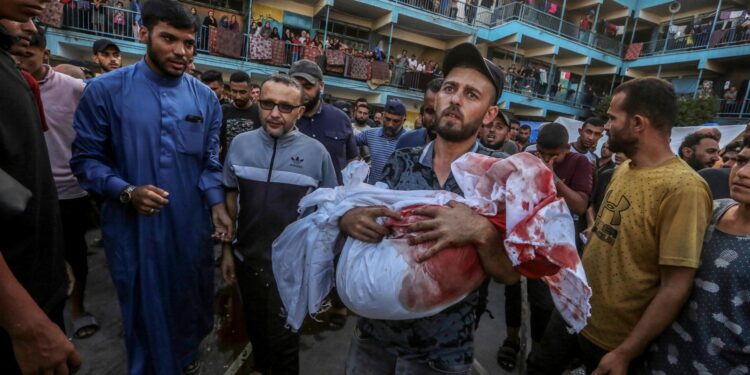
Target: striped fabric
{"x":381,"y":148}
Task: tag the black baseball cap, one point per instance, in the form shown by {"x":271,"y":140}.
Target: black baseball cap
{"x":467,"y":54}
{"x":307,"y":70}
{"x":395,"y":107}
{"x":102,"y":44}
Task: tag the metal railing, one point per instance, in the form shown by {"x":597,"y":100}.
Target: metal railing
{"x":107,"y":21}
{"x":696,"y":41}
{"x":459,"y":10}
{"x":532,"y":88}
{"x":519,"y":11}
{"x":733,"y":108}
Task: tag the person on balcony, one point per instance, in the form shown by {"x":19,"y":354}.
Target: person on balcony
{"x":118,"y":19}
{"x":208,"y":22}
{"x":275,"y":34}
{"x":233,"y":24}
{"x":730,"y":100}
{"x":197,"y":21}
{"x":224,"y":22}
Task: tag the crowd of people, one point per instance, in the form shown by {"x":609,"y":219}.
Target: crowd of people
{"x":177,"y":164}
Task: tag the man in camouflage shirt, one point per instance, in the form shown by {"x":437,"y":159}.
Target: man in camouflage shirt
{"x":443,"y":342}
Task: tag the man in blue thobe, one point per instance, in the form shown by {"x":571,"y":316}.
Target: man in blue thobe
{"x":147,"y":145}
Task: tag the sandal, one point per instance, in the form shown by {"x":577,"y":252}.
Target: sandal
{"x":507,"y":355}
{"x":192,"y":368}
{"x":85,"y":326}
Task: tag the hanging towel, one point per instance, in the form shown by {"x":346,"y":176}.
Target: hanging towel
{"x":633,"y":52}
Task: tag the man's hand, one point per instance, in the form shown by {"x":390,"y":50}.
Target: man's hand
{"x":227,"y":265}
{"x":613,"y":363}
{"x":360,"y":223}
{"x":42,"y":348}
{"x":452,"y":226}
{"x":148,"y":199}
{"x":223,"y":224}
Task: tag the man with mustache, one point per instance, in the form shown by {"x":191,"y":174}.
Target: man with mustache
{"x":266,"y":173}
{"x":324,"y":122}
{"x":423,"y":136}
{"x":442,"y":343}
{"x":147,"y":145}
{"x":32,"y":270}
{"x":381,"y":142}
{"x":106,"y":55}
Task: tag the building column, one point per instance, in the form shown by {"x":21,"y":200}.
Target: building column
{"x":325,"y":32}
{"x":596,"y":21}
{"x":635,"y":26}
{"x":743,"y":106}
{"x":612,"y":86}
{"x":515,"y":53}
{"x":582,"y":83}
{"x":658,"y":72}
{"x":249,"y":24}
{"x":624,"y":31}
{"x":716,"y":18}
{"x":390,"y":42}
{"x":698,"y":84}
{"x":550,"y":77}
{"x":666,"y":40}
{"x":562,"y":16}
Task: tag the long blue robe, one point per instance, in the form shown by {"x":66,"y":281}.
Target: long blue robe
{"x":133,"y":128}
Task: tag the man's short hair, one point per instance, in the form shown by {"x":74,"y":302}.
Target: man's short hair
{"x":239,"y":77}
{"x":359,"y":100}
{"x":652,"y":98}
{"x":693,"y":139}
{"x":254,"y":86}
{"x":732,"y":147}
{"x":594,"y":121}
{"x":745,"y":143}
{"x":169,"y":11}
{"x":434,"y":85}
{"x":552,"y":136}
{"x":525,"y":127}
{"x":286,"y":80}
{"x":39,"y":39}
{"x":210,"y":76}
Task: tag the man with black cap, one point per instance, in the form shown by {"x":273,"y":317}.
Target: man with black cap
{"x":442,"y":343}
{"x":382,"y":141}
{"x":324,"y":122}
{"x":106,"y":55}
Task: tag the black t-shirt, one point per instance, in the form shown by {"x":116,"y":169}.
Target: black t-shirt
{"x":31,"y":242}
{"x":717,"y":180}
{"x":235,"y":122}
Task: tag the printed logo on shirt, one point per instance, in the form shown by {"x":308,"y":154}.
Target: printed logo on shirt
{"x":613,"y":209}
{"x":297,"y":161}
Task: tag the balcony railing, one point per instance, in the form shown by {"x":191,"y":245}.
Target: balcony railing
{"x":519,"y":11}
{"x":462,"y":12}
{"x":120,"y":24}
{"x":532,"y":88}
{"x":703,"y":40}
{"x":733,"y":108}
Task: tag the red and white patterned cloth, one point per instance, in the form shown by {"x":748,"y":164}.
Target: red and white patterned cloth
{"x":633,"y":52}
{"x":260,"y":48}
{"x":335,"y":58}
{"x":358,"y":68}
{"x":278,"y":52}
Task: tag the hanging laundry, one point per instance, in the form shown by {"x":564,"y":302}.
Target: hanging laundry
{"x":260,"y":48}
{"x":334,"y":57}
{"x":620,"y":30}
{"x":278,"y":52}
{"x":716,"y":37}
{"x":229,"y":43}
{"x":380,"y":71}
{"x":633,"y":52}
{"x":358,"y":68}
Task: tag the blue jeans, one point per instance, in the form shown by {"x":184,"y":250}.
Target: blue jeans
{"x":368,"y":356}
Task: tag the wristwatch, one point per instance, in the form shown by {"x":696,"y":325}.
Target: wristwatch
{"x":126,"y":194}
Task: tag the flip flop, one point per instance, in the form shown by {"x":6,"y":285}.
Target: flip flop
{"x":507,"y":355}
{"x":85,"y":326}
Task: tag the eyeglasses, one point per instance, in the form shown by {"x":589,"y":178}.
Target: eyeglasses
{"x":283,"y":107}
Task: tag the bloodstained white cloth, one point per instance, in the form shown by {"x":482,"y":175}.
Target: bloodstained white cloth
{"x":381,"y":281}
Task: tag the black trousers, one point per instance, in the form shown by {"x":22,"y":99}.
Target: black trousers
{"x":559,"y":349}
{"x":540,"y":304}
{"x":8,"y":363}
{"x":275,"y":346}
{"x":75,"y":215}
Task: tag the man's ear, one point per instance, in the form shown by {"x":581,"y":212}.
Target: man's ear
{"x":490,"y":115}
{"x":143,"y":35}
{"x":686,"y":152}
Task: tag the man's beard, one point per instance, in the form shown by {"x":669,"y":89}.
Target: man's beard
{"x":312,"y":102}
{"x":161,"y":64}
{"x":695,"y":163}
{"x":451,"y":131}
{"x":626,"y":146}
{"x":390,"y":132}
{"x":360,"y":121}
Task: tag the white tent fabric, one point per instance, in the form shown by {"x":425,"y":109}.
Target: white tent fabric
{"x":728,"y":133}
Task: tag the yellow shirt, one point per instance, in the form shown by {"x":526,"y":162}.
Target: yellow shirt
{"x":650,"y":217}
